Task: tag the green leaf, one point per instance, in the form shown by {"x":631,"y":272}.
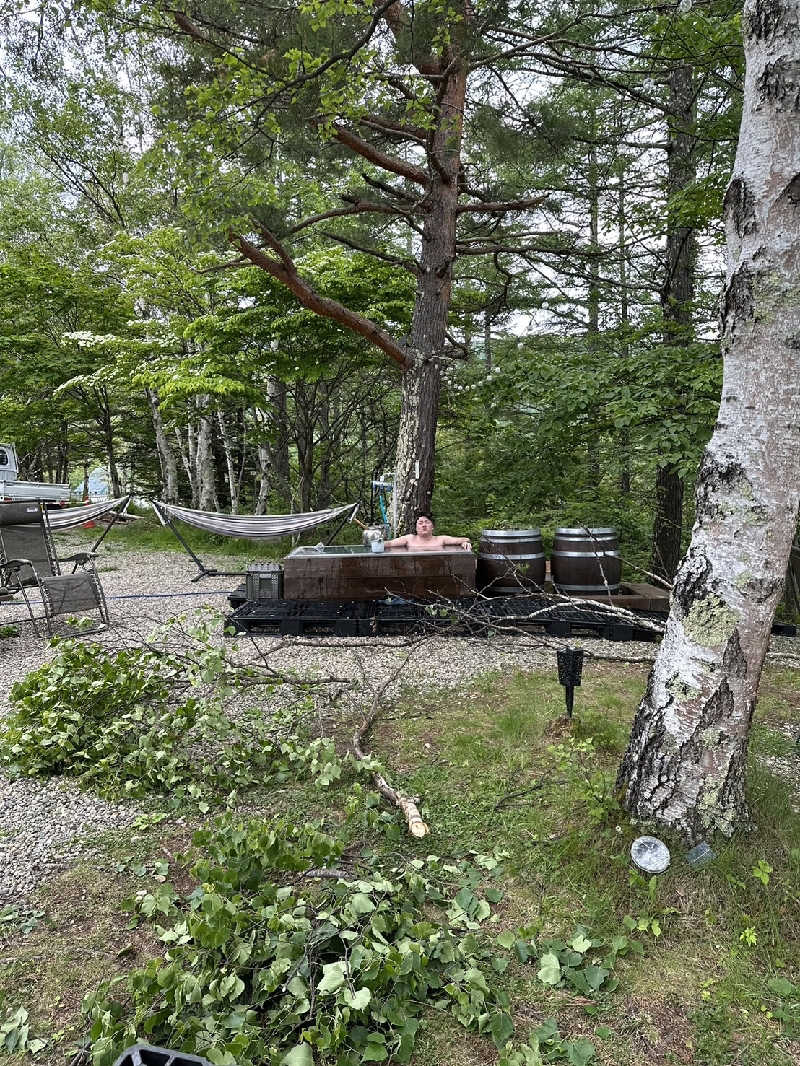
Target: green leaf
{"x":332,"y":977}
{"x":580,"y":943}
{"x":475,"y":978}
{"x":506,"y":940}
{"x":361,"y":903}
{"x":580,"y":1052}
{"x":300,"y":1055}
{"x":781,"y":987}
{"x":359,"y":1000}
{"x":375,"y":1050}
{"x":595,"y":975}
{"x":549,"y":969}
{"x":501,"y":1027}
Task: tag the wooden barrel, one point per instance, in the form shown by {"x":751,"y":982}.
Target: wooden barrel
{"x":510,"y":560}
{"x":586,"y":561}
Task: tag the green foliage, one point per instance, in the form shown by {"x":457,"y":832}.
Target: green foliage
{"x":15,"y":1034}
{"x":20,"y":919}
{"x":264,"y":967}
{"x":121,"y":722}
{"x":787,"y":1006}
{"x":581,"y":962}
{"x":545,"y":1044}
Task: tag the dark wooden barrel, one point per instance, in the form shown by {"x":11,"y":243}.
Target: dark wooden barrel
{"x":510,"y":560}
{"x":586,"y":561}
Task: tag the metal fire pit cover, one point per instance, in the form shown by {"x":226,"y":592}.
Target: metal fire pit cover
{"x":650,"y":855}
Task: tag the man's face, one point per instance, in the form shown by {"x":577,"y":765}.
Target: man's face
{"x":424,"y":526}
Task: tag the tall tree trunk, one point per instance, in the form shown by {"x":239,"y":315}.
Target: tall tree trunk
{"x":230,"y":465}
{"x":166,"y":456}
{"x":207,"y":491}
{"x":327,"y":444}
{"x":414,"y":465}
{"x":676,"y":295}
{"x":107,"y":433}
{"x":593,"y":297}
{"x":304,"y":441}
{"x":668,"y":522}
{"x":186,"y":452}
{"x":685,"y":762}
{"x":279,"y":451}
{"x":624,"y":316}
{"x":791,"y":597}
{"x":263,"y":460}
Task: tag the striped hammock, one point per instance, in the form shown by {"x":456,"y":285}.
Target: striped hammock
{"x":257,"y":527}
{"x":68,"y":517}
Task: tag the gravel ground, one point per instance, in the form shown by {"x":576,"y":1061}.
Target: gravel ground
{"x":42,"y":823}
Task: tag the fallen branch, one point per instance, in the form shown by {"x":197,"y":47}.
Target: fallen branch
{"x":416,"y":826}
{"x":516,"y":795}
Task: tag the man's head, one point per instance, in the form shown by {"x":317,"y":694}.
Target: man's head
{"x":424,"y":524}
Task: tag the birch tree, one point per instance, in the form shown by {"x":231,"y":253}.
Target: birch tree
{"x":685,"y":762}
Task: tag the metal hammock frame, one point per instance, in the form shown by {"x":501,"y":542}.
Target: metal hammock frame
{"x":247,"y":527}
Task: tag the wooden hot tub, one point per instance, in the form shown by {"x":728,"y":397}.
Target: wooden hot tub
{"x":355,"y":572}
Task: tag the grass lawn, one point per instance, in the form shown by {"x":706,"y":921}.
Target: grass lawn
{"x":499,"y":771}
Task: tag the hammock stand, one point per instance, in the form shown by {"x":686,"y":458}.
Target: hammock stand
{"x":249,"y":527}
{"x":70,"y":517}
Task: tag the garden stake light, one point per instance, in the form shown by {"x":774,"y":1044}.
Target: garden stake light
{"x":570,"y":664}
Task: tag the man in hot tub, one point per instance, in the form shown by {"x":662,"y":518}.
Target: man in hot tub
{"x":425,"y":540}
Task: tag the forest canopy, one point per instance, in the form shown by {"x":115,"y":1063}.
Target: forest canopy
{"x":253,"y":258}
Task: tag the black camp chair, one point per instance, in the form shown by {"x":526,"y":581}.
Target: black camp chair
{"x":28,"y":560}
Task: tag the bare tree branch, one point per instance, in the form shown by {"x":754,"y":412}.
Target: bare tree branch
{"x":498,"y":207}
{"x":359,"y":207}
{"x":284,"y":271}
{"x":398,"y":129}
{"x":379,"y":158}
{"x":406,"y":264}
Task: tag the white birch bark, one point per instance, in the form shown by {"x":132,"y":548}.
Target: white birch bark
{"x":187,"y":454}
{"x":230,"y":467}
{"x":685,"y":762}
{"x":263,"y":460}
{"x":166,"y":456}
{"x":207,"y":491}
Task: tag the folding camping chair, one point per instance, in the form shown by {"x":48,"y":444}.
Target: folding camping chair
{"x":28,"y":560}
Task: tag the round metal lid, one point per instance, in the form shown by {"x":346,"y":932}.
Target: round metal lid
{"x":650,"y":855}
{"x":509,"y":533}
{"x":594,"y":531}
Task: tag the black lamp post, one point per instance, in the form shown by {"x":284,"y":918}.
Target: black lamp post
{"x":570,"y":664}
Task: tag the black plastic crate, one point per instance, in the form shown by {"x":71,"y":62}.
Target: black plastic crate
{"x":149,"y":1055}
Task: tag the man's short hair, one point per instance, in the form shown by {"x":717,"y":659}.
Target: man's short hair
{"x":425,"y":514}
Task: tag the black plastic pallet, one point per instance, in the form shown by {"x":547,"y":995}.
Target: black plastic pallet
{"x":150,"y":1055}
{"x":470,"y":615}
